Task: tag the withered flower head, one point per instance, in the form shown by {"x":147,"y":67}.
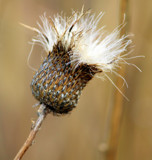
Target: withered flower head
{"x":76,"y":51}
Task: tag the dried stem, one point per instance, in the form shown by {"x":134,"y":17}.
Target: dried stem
{"x":118,"y":101}
{"x":35,"y":128}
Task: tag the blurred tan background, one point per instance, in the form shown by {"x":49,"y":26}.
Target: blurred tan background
{"x":78,"y":135}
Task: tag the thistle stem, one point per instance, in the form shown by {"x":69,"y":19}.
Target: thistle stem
{"x":35,"y":128}
{"x":118,"y":100}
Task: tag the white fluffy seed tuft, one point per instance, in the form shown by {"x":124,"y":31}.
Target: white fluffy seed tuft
{"x":89,"y":45}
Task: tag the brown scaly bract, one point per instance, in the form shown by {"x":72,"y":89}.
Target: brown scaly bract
{"x":57,"y":84}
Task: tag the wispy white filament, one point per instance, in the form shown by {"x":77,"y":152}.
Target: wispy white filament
{"x":79,"y":32}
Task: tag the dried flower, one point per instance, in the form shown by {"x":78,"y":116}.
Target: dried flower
{"x":76,"y":51}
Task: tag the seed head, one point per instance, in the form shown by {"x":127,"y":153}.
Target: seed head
{"x":76,"y":51}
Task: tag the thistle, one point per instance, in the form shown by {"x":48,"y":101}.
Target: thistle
{"x":76,"y":52}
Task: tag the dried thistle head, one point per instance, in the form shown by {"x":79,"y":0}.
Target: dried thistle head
{"x":76,"y":51}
